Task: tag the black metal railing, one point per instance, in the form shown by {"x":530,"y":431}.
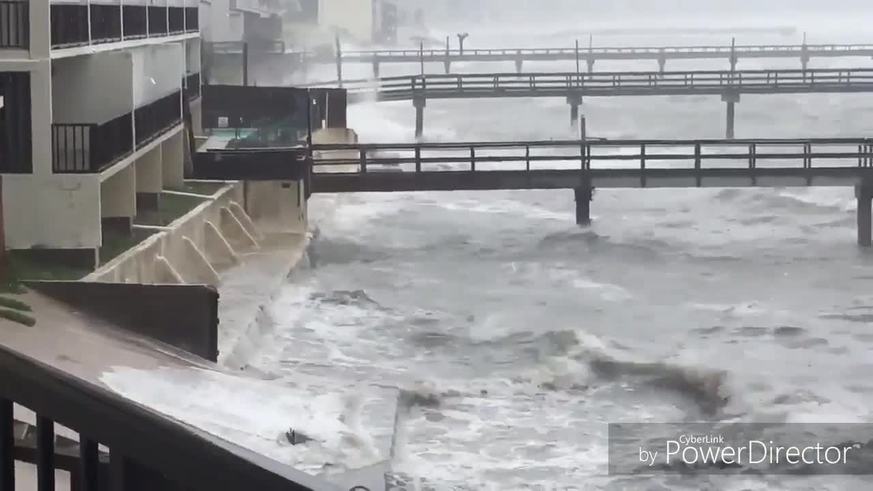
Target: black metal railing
{"x":604,"y":156}
{"x":157,"y":21}
{"x":85,"y":148}
{"x":154,"y":118}
{"x":14,"y":24}
{"x":192,"y":85}
{"x":146,"y":449}
{"x":105,"y":23}
{"x":16,"y":144}
{"x":192,"y":19}
{"x":176,"y":19}
{"x":69,"y":25}
{"x":135,"y":23}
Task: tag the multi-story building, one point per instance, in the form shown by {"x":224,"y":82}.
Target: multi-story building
{"x":361,"y":21}
{"x":91,"y":117}
{"x":244,"y":41}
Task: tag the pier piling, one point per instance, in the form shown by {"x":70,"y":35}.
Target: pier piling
{"x":420,"y":103}
{"x":583,"y":205}
{"x":730,"y":99}
{"x":864,"y":195}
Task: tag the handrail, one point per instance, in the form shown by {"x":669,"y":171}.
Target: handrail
{"x":505,"y":84}
{"x":600,"y":51}
{"x":798,"y":153}
{"x":137,"y":437}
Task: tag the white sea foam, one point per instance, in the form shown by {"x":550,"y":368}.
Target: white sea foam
{"x":256,"y":414}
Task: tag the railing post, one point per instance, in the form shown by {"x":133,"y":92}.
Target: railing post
{"x":45,"y":454}
{"x":807,"y":148}
{"x":527,"y":158}
{"x":363,"y":160}
{"x":418,"y":158}
{"x":472,"y":159}
{"x":753,"y":159}
{"x":643,"y":164}
{"x":7,"y":446}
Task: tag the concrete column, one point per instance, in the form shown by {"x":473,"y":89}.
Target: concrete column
{"x":173,"y":161}
{"x":149,"y":180}
{"x":864,"y":194}
{"x":420,"y":103}
{"x":448,"y":65}
{"x":519,"y":65}
{"x":583,"y":205}
{"x":730,"y":99}
{"x":118,"y":201}
{"x":662,"y":64}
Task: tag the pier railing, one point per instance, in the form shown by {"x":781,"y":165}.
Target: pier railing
{"x":146,"y":450}
{"x":614,"y":83}
{"x":14,"y":24}
{"x":597,"y":155}
{"x":88,"y":148}
{"x":608,"y":52}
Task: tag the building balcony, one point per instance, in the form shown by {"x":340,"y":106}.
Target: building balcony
{"x":14,"y":24}
{"x":156,"y":117}
{"x":90,"y":148}
{"x":111,"y":22}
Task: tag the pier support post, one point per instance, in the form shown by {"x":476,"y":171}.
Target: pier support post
{"x":590,"y":62}
{"x":864,"y":195}
{"x":730,"y":99}
{"x":519,"y":64}
{"x":448,"y":65}
{"x":662,"y":64}
{"x":420,"y":103}
{"x":583,"y":204}
{"x":575,"y":101}
{"x":375,"y":68}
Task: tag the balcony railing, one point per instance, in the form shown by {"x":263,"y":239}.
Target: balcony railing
{"x":192,"y":85}
{"x":85,"y":148}
{"x":69,"y":25}
{"x":14,"y":24}
{"x":157,"y":21}
{"x":146,"y":449}
{"x":176,"y":19}
{"x":105,"y":23}
{"x":192,"y":19}
{"x":135,"y":21}
{"x":153,"y":119}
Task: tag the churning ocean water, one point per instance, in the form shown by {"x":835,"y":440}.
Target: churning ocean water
{"x":516,"y":336}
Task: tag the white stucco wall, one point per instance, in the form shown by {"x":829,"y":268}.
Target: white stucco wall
{"x":149,"y":172}
{"x":51,"y":211}
{"x":157,"y":72}
{"x":92,"y":89}
{"x":354,"y":17}
{"x":118,"y":194}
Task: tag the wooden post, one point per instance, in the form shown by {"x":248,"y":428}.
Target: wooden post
{"x":339,"y":61}
{"x":577,"y":57}
{"x":245,"y":64}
